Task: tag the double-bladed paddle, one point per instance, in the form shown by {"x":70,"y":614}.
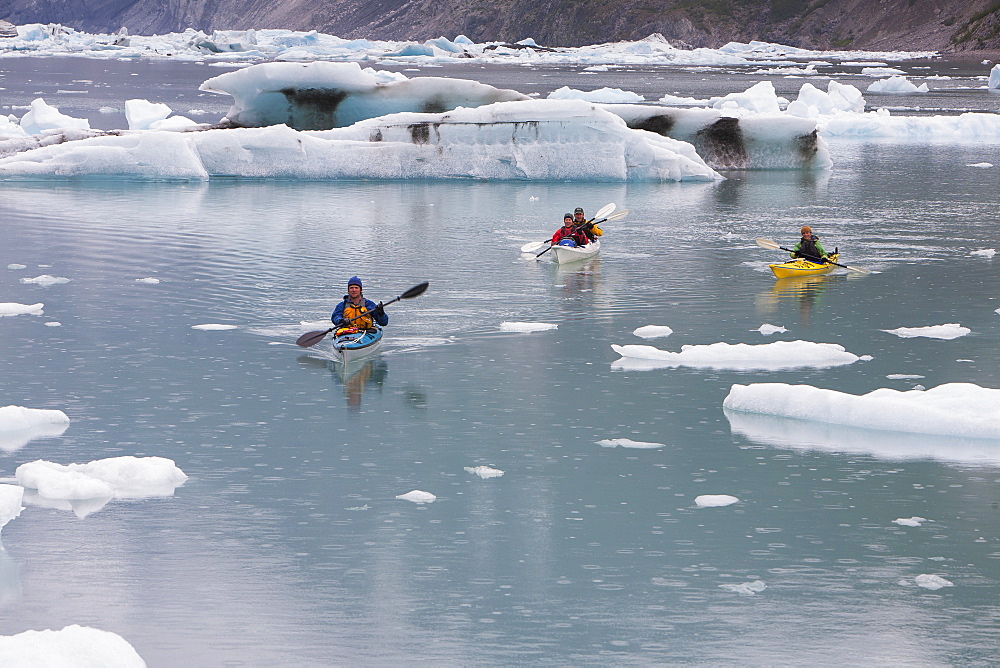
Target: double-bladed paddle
{"x":618,"y":215}
{"x":312,"y":338}
{"x":767,"y":243}
{"x":532,"y":246}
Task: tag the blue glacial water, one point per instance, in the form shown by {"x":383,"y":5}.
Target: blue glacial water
{"x":287,"y":546}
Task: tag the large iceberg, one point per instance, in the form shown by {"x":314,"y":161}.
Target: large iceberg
{"x":322,"y":95}
{"x":954,"y":409}
{"x":530,"y":139}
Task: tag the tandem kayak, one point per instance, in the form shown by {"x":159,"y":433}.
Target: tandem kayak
{"x":352,"y":344}
{"x":565,"y":254}
{"x":802,"y":267}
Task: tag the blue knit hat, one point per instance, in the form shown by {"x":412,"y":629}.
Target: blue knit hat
{"x":354,"y":281}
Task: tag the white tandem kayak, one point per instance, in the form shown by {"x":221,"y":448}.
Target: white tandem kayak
{"x":566,"y":254}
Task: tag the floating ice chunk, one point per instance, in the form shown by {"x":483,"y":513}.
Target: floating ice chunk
{"x":932,"y":582}
{"x":45,"y":280}
{"x":484,"y":471}
{"x":745,"y":588}
{"x":994,"y":81}
{"x":715,"y":500}
{"x":953,"y":409}
{"x":17,"y":266}
{"x":121,"y":477}
{"x":777,"y":355}
{"x":53,"y":324}
{"x":149,"y":280}
{"x":628,"y":443}
{"x":10,"y":503}
{"x":880,"y":71}
{"x":910,"y":521}
{"x":19,"y":425}
{"x":760,"y":98}
{"x":677,"y":101}
{"x":981,"y":165}
{"x":767,"y":329}
{"x":13,"y":308}
{"x":526,"y":327}
{"x":72,"y":646}
{"x":653,"y":331}
{"x":213,"y":327}
{"x":140,"y":114}
{"x":896,"y":84}
{"x":43,"y":117}
{"x":986,"y":252}
{"x":951,"y":330}
{"x":904,"y":376}
{"x":417,"y":496}
{"x":604,"y":95}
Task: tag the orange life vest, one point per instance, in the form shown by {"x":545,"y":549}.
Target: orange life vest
{"x":351,"y":311}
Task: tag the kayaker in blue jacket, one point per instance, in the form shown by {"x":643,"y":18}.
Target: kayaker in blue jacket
{"x":809,"y":247}
{"x":356,"y":311}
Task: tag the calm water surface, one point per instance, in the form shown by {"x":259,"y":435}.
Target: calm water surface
{"x":287,"y":546}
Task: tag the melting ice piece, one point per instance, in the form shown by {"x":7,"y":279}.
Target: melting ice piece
{"x":745,"y":588}
{"x":628,"y":443}
{"x":777,"y":355}
{"x":417,"y":496}
{"x":910,"y":521}
{"x":213,"y":327}
{"x":10,"y":502}
{"x":714,"y":500}
{"x":932,"y":582}
{"x":71,"y":646}
{"x":526,"y":327}
{"x":46,"y":280}
{"x":767,"y":329}
{"x":484,"y":471}
{"x":20,"y":425}
{"x":951,"y":330}
{"x":653,"y":331}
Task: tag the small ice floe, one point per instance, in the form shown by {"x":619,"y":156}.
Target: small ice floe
{"x":484,"y":472}
{"x":745,"y":588}
{"x":148,"y":280}
{"x":628,"y":443}
{"x":951,"y":330}
{"x":532,"y":199}
{"x":601,"y":95}
{"x":13,"y":308}
{"x":896,"y":84}
{"x":53,"y":324}
{"x":526,"y":327}
{"x":904,"y":376}
{"x":953,"y":409}
{"x":85,"y":488}
{"x":46,"y":280}
{"x":14,"y":265}
{"x":653,"y":331}
{"x":740,"y":356}
{"x":986,"y":252}
{"x":767,"y":329}
{"x":981,"y":165}
{"x":932,"y":582}
{"x":417,"y":496}
{"x":20,"y":425}
{"x":71,"y":646}
{"x":213,"y":327}
{"x":10,"y":503}
{"x":714,"y":500}
{"x":910,"y":521}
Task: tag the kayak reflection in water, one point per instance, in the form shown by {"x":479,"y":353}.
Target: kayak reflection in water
{"x":356,"y":311}
{"x":809,"y":247}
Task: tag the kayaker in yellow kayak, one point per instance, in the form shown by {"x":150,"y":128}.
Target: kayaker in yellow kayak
{"x":809,"y":247}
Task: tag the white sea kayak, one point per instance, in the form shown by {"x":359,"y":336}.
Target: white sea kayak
{"x":353,"y":346}
{"x":566,"y":254}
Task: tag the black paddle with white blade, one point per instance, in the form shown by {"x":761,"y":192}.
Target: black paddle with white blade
{"x":312,"y":338}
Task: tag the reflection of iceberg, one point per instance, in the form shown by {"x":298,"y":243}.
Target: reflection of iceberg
{"x":781,"y":432}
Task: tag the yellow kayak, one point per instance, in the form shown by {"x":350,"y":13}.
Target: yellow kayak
{"x":802,"y":267}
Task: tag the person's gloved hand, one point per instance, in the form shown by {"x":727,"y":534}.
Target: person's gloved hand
{"x":379,"y":311}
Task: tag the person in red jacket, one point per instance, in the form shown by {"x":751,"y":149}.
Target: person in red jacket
{"x":569,"y":234}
